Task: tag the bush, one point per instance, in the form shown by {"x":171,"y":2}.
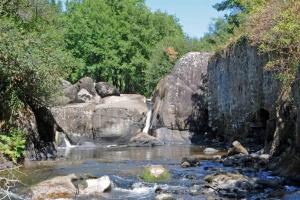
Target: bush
{"x":276,"y":29}
{"x":13,"y":144}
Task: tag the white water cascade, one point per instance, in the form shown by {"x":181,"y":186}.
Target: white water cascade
{"x":67,"y":141}
{"x":149,"y":115}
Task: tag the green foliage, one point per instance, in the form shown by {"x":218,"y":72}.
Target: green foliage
{"x":274,"y":26}
{"x":232,"y":25}
{"x":13,"y":144}
{"x":32,"y":59}
{"x":115,"y":40}
{"x":278,"y":35}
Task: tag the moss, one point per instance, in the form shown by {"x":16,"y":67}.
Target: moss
{"x":148,"y":177}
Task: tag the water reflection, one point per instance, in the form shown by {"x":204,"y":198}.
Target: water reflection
{"x":128,"y":153}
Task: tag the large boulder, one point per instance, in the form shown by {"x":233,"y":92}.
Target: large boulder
{"x":96,"y":186}
{"x":76,"y":120}
{"x":169,"y":136}
{"x":105,"y":89}
{"x":119,"y":118}
{"x":114,"y":120}
{"x":180,"y":98}
{"x":60,"y":187}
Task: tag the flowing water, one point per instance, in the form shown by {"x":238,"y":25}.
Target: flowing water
{"x":123,"y":165}
{"x":148,"y":118}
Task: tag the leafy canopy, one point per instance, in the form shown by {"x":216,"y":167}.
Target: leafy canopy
{"x":115,"y":40}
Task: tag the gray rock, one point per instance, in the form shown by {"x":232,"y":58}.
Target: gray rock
{"x":88,"y":84}
{"x":168,"y":136}
{"x":76,"y":121}
{"x":180,"y":98}
{"x":83,"y":96}
{"x":96,"y":186}
{"x":264,"y":156}
{"x":164,"y":197}
{"x":185,"y":164}
{"x":58,"y":187}
{"x":105,"y":89}
{"x":65,"y":84}
{"x":144,"y":139}
{"x":191,"y":161}
{"x":71,"y":93}
{"x":81,"y":92}
{"x":116,"y":120}
{"x":210,"y":151}
{"x":231,"y":185}
{"x":242,"y":93}
{"x":238,"y":148}
{"x":119,"y":118}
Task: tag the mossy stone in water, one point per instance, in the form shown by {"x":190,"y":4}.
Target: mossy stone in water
{"x":155,"y":173}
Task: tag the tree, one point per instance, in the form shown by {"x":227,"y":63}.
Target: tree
{"x":115,"y":40}
{"x":32,"y":57}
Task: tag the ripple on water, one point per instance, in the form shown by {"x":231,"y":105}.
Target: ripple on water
{"x":123,"y":165}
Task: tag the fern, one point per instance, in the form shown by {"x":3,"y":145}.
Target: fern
{"x":13,"y":145}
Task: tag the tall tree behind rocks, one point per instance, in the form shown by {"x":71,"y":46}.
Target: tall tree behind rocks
{"x":115,"y":40}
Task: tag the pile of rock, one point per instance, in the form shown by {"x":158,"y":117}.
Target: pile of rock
{"x":98,"y":113}
{"x":238,"y":155}
{"x":85,"y":91}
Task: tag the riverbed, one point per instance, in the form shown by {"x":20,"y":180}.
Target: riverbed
{"x":124,"y":164}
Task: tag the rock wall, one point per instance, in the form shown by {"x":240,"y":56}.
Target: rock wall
{"x":246,"y":102}
{"x":242,"y":95}
{"x":179,"y":100}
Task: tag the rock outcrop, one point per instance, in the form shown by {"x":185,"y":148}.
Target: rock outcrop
{"x":119,"y":118}
{"x":180,"y":99}
{"x":40,"y":127}
{"x":112,"y":120}
{"x":242,"y":94}
{"x":247,"y":102}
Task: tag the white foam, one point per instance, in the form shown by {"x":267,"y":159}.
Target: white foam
{"x":148,"y":119}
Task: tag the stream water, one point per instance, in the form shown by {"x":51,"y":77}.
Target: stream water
{"x":123,"y":164}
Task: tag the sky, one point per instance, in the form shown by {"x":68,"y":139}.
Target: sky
{"x":195,"y":16}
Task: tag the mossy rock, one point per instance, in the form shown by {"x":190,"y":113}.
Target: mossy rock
{"x":155,"y":173}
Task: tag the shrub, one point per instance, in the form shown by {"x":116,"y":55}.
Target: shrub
{"x":275,"y":28}
{"x":13,"y":144}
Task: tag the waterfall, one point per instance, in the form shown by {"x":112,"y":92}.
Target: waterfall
{"x":67,"y":141}
{"x":149,"y":114}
